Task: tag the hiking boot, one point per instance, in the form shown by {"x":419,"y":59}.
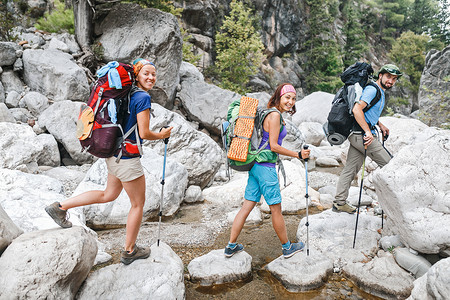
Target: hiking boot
{"x":138,"y":253}
{"x":344,"y":208}
{"x":229,"y":252}
{"x":294,"y":248}
{"x":60,"y":216}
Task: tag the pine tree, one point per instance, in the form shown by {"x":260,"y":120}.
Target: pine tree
{"x":356,"y":44}
{"x":324,"y":59}
{"x":239,"y":48}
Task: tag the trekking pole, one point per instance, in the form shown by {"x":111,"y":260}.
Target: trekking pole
{"x":385,"y":137}
{"x":360,"y":194}
{"x":306,"y":198}
{"x":166,"y":141}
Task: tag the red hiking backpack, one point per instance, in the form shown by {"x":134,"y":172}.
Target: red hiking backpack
{"x":99,"y":129}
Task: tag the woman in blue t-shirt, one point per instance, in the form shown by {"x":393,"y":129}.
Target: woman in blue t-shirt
{"x":126,"y":174}
{"x":263,"y":178}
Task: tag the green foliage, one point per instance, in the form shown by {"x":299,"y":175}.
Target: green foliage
{"x":355,"y":45}
{"x":408,"y":52}
{"x":239,"y":48}
{"x":7,"y":22}
{"x":324,"y":59}
{"x":60,"y":19}
{"x":163,"y":5}
{"x":187,"y":50}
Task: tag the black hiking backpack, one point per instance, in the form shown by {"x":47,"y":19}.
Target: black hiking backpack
{"x":340,"y":121}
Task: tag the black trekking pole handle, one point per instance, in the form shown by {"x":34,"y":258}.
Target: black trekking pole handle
{"x":166,"y":140}
{"x":305,"y":147}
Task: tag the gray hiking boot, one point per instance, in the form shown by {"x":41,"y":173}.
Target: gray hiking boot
{"x":138,"y":253}
{"x":229,"y":252}
{"x":344,"y":208}
{"x":60,"y":216}
{"x":294,"y":248}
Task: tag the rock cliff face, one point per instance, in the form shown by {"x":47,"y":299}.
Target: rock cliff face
{"x":434,"y":93}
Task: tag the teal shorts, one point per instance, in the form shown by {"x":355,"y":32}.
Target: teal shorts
{"x":263,"y":180}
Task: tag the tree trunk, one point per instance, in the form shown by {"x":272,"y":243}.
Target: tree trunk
{"x":83,"y":13}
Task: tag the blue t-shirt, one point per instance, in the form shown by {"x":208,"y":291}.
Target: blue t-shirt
{"x":139,"y":102}
{"x":374,"y":113}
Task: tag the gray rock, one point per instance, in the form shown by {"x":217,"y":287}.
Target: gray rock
{"x":12,"y":82}
{"x":8,"y":230}
{"x":2,"y":92}
{"x":5,"y":114}
{"x":254,"y":218}
{"x":435,"y":284}
{"x":12,"y":100}
{"x":433,"y":98}
{"x":8,"y":53}
{"x":413,"y":263}
{"x":199,"y":98}
{"x":158,"y":277}
{"x":159,"y":40}
{"x":51,"y":264}
{"x":35,"y":102}
{"x":215,"y":268}
{"x":300,"y":272}
{"x":199,"y":154}
{"x":313,"y":108}
{"x":60,"y":120}
{"x":55,"y":74}
{"x":412,"y":189}
{"x":50,"y":154}
{"x":381,"y":277}
{"x":21,"y":115}
{"x":193,"y":194}
{"x":327,"y":162}
{"x":313,"y":132}
{"x":116,"y":212}
{"x":24,"y":197}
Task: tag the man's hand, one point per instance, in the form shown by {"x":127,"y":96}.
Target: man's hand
{"x":384,"y":130}
{"x":368,"y":138}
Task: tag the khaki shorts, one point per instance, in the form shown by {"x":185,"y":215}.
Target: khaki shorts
{"x":126,"y":170}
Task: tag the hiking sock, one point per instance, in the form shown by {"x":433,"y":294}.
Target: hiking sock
{"x":287,"y":245}
{"x":231,"y":245}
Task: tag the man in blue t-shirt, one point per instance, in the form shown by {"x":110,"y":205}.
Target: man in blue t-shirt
{"x":362,"y":139}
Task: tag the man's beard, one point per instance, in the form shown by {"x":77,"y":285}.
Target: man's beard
{"x":385,"y":87}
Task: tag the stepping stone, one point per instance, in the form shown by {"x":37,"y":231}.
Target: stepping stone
{"x":300,"y":272}
{"x":215,"y":268}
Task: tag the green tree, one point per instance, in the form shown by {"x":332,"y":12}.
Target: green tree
{"x":408,"y":52}
{"x":422,"y":16}
{"x":239,"y":48}
{"x":356,"y":44}
{"x":163,"y":5}
{"x":441,"y":30}
{"x":393,"y":16}
{"x":324,"y":60}
{"x":58,"y":20}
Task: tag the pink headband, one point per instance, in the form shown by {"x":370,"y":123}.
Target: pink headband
{"x":287,"y":89}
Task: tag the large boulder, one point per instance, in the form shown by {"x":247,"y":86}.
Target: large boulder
{"x":116,"y":212}
{"x":435,"y":284}
{"x":158,"y":277}
{"x":54,"y":74}
{"x":434,"y":96}
{"x":21,"y":148}
{"x":313,"y":108}
{"x":8,"y":53}
{"x":199,"y":154}
{"x":24,"y":196}
{"x":203,"y":102}
{"x":48,"y":264}
{"x":60,"y":120}
{"x":413,"y":191}
{"x":152,"y":34}
{"x":8,"y":230}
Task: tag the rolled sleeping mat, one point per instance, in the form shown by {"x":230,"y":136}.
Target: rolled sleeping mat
{"x":243,"y":129}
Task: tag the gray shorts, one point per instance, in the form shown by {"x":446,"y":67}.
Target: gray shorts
{"x":126,"y":170}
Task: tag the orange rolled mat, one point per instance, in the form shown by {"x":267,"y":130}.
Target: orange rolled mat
{"x":243,"y":129}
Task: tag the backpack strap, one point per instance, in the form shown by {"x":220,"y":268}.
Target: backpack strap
{"x":375,"y":99}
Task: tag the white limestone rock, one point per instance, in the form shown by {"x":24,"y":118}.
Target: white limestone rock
{"x":215,"y":268}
